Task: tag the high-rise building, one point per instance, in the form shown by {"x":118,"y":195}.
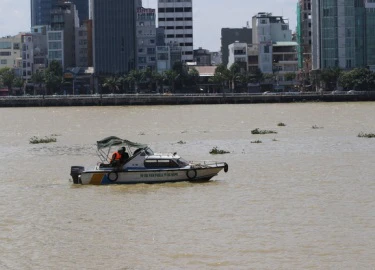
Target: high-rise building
{"x":304,"y":34}
{"x":231,"y":35}
{"x":41,"y":10}
{"x":61,"y":36}
{"x":176,"y":18}
{"x":343,"y":34}
{"x":146,"y":38}
{"x":114,"y":36}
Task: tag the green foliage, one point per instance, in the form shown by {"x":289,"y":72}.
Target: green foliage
{"x":53,"y":77}
{"x":221,"y":76}
{"x":257,"y":141}
{"x":216,"y":151}
{"x":262,"y":132}
{"x":52,"y":81}
{"x":38,"y":79}
{"x":171,"y":77}
{"x":55,"y":68}
{"x":112,"y":83}
{"x":330,"y":77}
{"x":181,"y":142}
{"x":36,"y":140}
{"x":281,"y":124}
{"x":366,"y":135}
{"x":180,"y":69}
{"x":7,"y":77}
{"x":194,"y":74}
{"x":290,"y":76}
{"x":255,"y":76}
{"x":18,"y":82}
{"x":316,"y":127}
{"x":360,"y":79}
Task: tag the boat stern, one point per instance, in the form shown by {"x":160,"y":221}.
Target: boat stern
{"x":75,"y":172}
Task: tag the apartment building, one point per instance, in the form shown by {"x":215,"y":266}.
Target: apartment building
{"x":146,"y":38}
{"x":176,"y":18}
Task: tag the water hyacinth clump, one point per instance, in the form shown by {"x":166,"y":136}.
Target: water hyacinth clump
{"x":366,"y":135}
{"x":258,"y":131}
{"x":181,"y":142}
{"x":281,"y":124}
{"x":316,"y":127}
{"x":216,"y":151}
{"x":257,"y":141}
{"x":36,"y":140}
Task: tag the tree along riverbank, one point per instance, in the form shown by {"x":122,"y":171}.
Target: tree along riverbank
{"x":178,"y":99}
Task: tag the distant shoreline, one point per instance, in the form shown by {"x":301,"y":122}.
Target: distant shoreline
{"x":177,"y":99}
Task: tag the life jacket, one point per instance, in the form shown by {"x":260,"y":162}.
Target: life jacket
{"x":116,"y":156}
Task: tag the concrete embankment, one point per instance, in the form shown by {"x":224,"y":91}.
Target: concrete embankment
{"x":126,"y":100}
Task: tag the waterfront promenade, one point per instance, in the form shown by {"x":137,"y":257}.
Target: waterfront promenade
{"x":178,"y":99}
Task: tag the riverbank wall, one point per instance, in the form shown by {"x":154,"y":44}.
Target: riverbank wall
{"x":131,"y":100}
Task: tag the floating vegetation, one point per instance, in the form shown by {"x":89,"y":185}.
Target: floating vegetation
{"x":216,"y":151}
{"x":257,"y":141}
{"x":366,"y":135}
{"x":274,"y":140}
{"x":316,"y":127}
{"x":185,"y":131}
{"x":181,"y":142}
{"x":281,"y":124}
{"x":258,"y":131}
{"x":36,"y":140}
{"x":142,"y":133}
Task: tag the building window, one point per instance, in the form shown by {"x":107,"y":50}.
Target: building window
{"x":5,"y":45}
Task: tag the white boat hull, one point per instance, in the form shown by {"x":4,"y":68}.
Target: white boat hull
{"x":106,"y":177}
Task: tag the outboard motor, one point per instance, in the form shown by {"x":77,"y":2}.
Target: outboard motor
{"x":75,"y":172}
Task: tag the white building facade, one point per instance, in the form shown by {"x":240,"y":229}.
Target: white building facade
{"x":238,"y":54}
{"x":267,"y":30}
{"x":176,"y":18}
{"x":10,"y":51}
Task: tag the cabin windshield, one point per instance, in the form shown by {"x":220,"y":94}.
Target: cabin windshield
{"x":182,"y":162}
{"x":149,"y":152}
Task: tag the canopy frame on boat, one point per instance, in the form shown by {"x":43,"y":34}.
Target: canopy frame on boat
{"x":105,"y":145}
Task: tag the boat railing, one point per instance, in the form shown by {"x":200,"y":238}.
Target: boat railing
{"x":209,"y":163}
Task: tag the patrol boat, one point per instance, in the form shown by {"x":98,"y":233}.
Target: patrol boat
{"x":143,"y":166}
